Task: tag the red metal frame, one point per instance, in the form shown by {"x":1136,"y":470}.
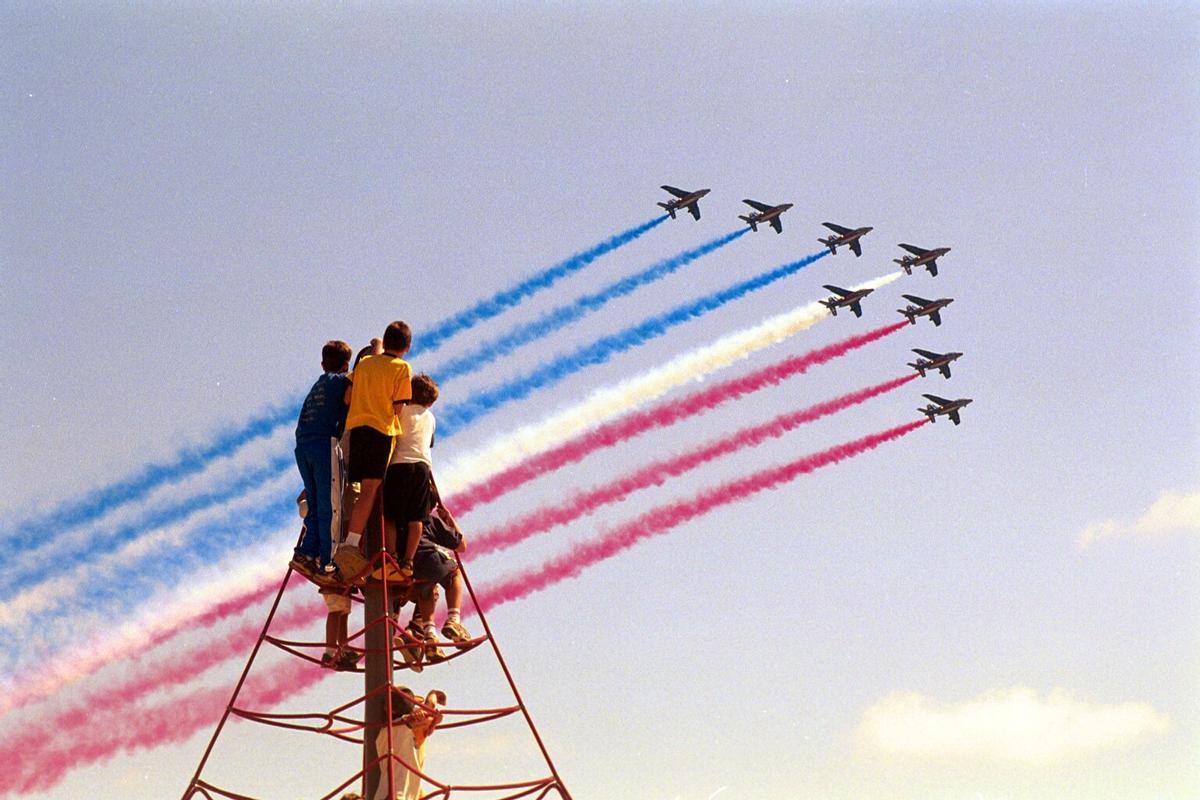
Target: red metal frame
{"x":339,"y":722}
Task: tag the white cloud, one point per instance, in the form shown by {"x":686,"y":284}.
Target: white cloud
{"x":1171,"y":512}
{"x":1014,"y":724}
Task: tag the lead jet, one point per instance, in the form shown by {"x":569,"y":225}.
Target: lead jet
{"x":920,"y":258}
{"x":684,"y":199}
{"x":924,"y":308}
{"x":846,"y":236}
{"x":764,"y":213}
{"x":948,"y":407}
{"x":931,"y":360}
{"x":846,"y":299}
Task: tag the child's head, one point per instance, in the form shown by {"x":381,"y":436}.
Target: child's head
{"x":397,"y":338}
{"x":424,"y":390}
{"x":335,"y":356}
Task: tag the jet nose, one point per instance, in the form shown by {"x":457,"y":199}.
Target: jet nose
{"x":868,"y":229}
{"x":786,"y":206}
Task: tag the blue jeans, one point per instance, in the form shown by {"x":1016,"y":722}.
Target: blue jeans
{"x":313,"y":459}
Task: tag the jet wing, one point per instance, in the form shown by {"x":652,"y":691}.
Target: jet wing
{"x":856,"y":308}
{"x":674,"y":191}
{"x":694,"y":208}
{"x":953,"y":415}
{"x":856,"y":246}
{"x":926,"y":353}
{"x":777,"y":225}
{"x":836,"y":228}
{"x":837,"y":290}
{"x":932,"y":267}
{"x":757,"y":205}
{"x":945,"y":370}
{"x":912,"y":298}
{"x":936,"y":316}
{"x":912,"y":248}
{"x":941,"y":401}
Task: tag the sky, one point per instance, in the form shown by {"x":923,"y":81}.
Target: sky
{"x":195,"y":198}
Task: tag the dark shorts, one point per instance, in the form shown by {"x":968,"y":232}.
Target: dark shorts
{"x":407,"y":493}
{"x":369,"y":454}
{"x":433,"y":566}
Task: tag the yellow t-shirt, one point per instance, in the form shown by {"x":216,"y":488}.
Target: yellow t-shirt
{"x":378,"y":382}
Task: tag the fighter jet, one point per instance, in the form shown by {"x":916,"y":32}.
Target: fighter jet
{"x":847,"y":299}
{"x":846,"y":236}
{"x":924,"y":308}
{"x":920,"y":257}
{"x":764,"y":213}
{"x":930,"y":360}
{"x":685,"y":199}
{"x":948,"y":407}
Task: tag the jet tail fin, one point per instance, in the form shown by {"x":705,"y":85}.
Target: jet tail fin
{"x":669,"y":209}
{"x":753,"y":222}
{"x":829,"y":243}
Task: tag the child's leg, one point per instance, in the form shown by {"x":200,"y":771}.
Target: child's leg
{"x":343,"y":629}
{"x":322,"y":501}
{"x":454,"y":596}
{"x":332,"y":630}
{"x":310,"y":544}
{"x":414,"y":538}
{"x":363,"y":509}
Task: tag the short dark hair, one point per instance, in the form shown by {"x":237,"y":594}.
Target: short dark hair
{"x":398,"y":337}
{"x":335,"y":356}
{"x":424,"y":390}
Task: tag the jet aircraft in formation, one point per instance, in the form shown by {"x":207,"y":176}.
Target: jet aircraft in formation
{"x":920,"y":258}
{"x":924,"y":308}
{"x":845,"y":236}
{"x":948,"y":407}
{"x":683,"y":199}
{"x":931,"y":360}
{"x":844,"y":298}
{"x":764,"y":213}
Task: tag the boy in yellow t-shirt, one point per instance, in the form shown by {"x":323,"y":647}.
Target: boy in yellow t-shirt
{"x":379,"y":386}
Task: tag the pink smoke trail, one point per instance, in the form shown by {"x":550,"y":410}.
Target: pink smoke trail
{"x":658,"y":416}
{"x":657,"y":473}
{"x":129,"y":730}
{"x":54,"y":675}
{"x":177,"y":719}
{"x":664,"y":518}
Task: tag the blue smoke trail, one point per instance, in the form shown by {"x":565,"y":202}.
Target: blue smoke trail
{"x":94,"y":503}
{"x":564,"y":315}
{"x":456,"y":416}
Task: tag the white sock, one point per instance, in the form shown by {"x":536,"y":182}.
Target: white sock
{"x":453,"y":615}
{"x":352,"y":539}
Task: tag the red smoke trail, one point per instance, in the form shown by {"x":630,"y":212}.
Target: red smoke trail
{"x":130,"y":730}
{"x":50,"y":680}
{"x":659,"y":416}
{"x":659,"y":472}
{"x":177,"y":719}
{"x":662,"y":519}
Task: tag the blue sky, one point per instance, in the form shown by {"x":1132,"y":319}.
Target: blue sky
{"x":195,"y":199}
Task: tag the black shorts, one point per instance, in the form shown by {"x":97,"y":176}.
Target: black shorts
{"x":433,"y":566}
{"x":369,"y":454}
{"x":407,"y":493}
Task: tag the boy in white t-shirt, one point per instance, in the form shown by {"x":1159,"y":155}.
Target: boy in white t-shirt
{"x":408,"y":490}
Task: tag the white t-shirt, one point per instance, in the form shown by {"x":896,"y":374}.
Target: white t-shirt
{"x":414,"y":443}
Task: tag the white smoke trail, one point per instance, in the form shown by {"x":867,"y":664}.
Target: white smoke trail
{"x":604,"y":404}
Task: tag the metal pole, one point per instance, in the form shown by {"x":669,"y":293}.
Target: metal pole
{"x":377,"y":671}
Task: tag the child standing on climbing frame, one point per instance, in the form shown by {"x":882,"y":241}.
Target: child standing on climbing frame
{"x":322,"y":418}
{"x":380,"y":386}
{"x":408,"y":490}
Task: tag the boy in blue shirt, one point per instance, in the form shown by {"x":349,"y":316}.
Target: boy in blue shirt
{"x":322,"y":418}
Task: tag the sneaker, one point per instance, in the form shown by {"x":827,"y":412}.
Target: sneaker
{"x":455,"y":632}
{"x":328,"y":661}
{"x":351,"y":563}
{"x":304,"y":564}
{"x":346,"y":661}
{"x":413,"y":654}
{"x":433,"y":653}
{"x":390,"y":574}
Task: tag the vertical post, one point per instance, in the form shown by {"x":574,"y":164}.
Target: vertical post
{"x":378,"y":663}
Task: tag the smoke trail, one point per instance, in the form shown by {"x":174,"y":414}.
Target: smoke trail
{"x":657,"y":473}
{"x":564,"y":315}
{"x":456,"y":416}
{"x":659,"y":416}
{"x":177,"y":719}
{"x":629,"y":394}
{"x":94,"y":503}
{"x":468,"y":470}
{"x":128,"y":731}
{"x":662,"y":519}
